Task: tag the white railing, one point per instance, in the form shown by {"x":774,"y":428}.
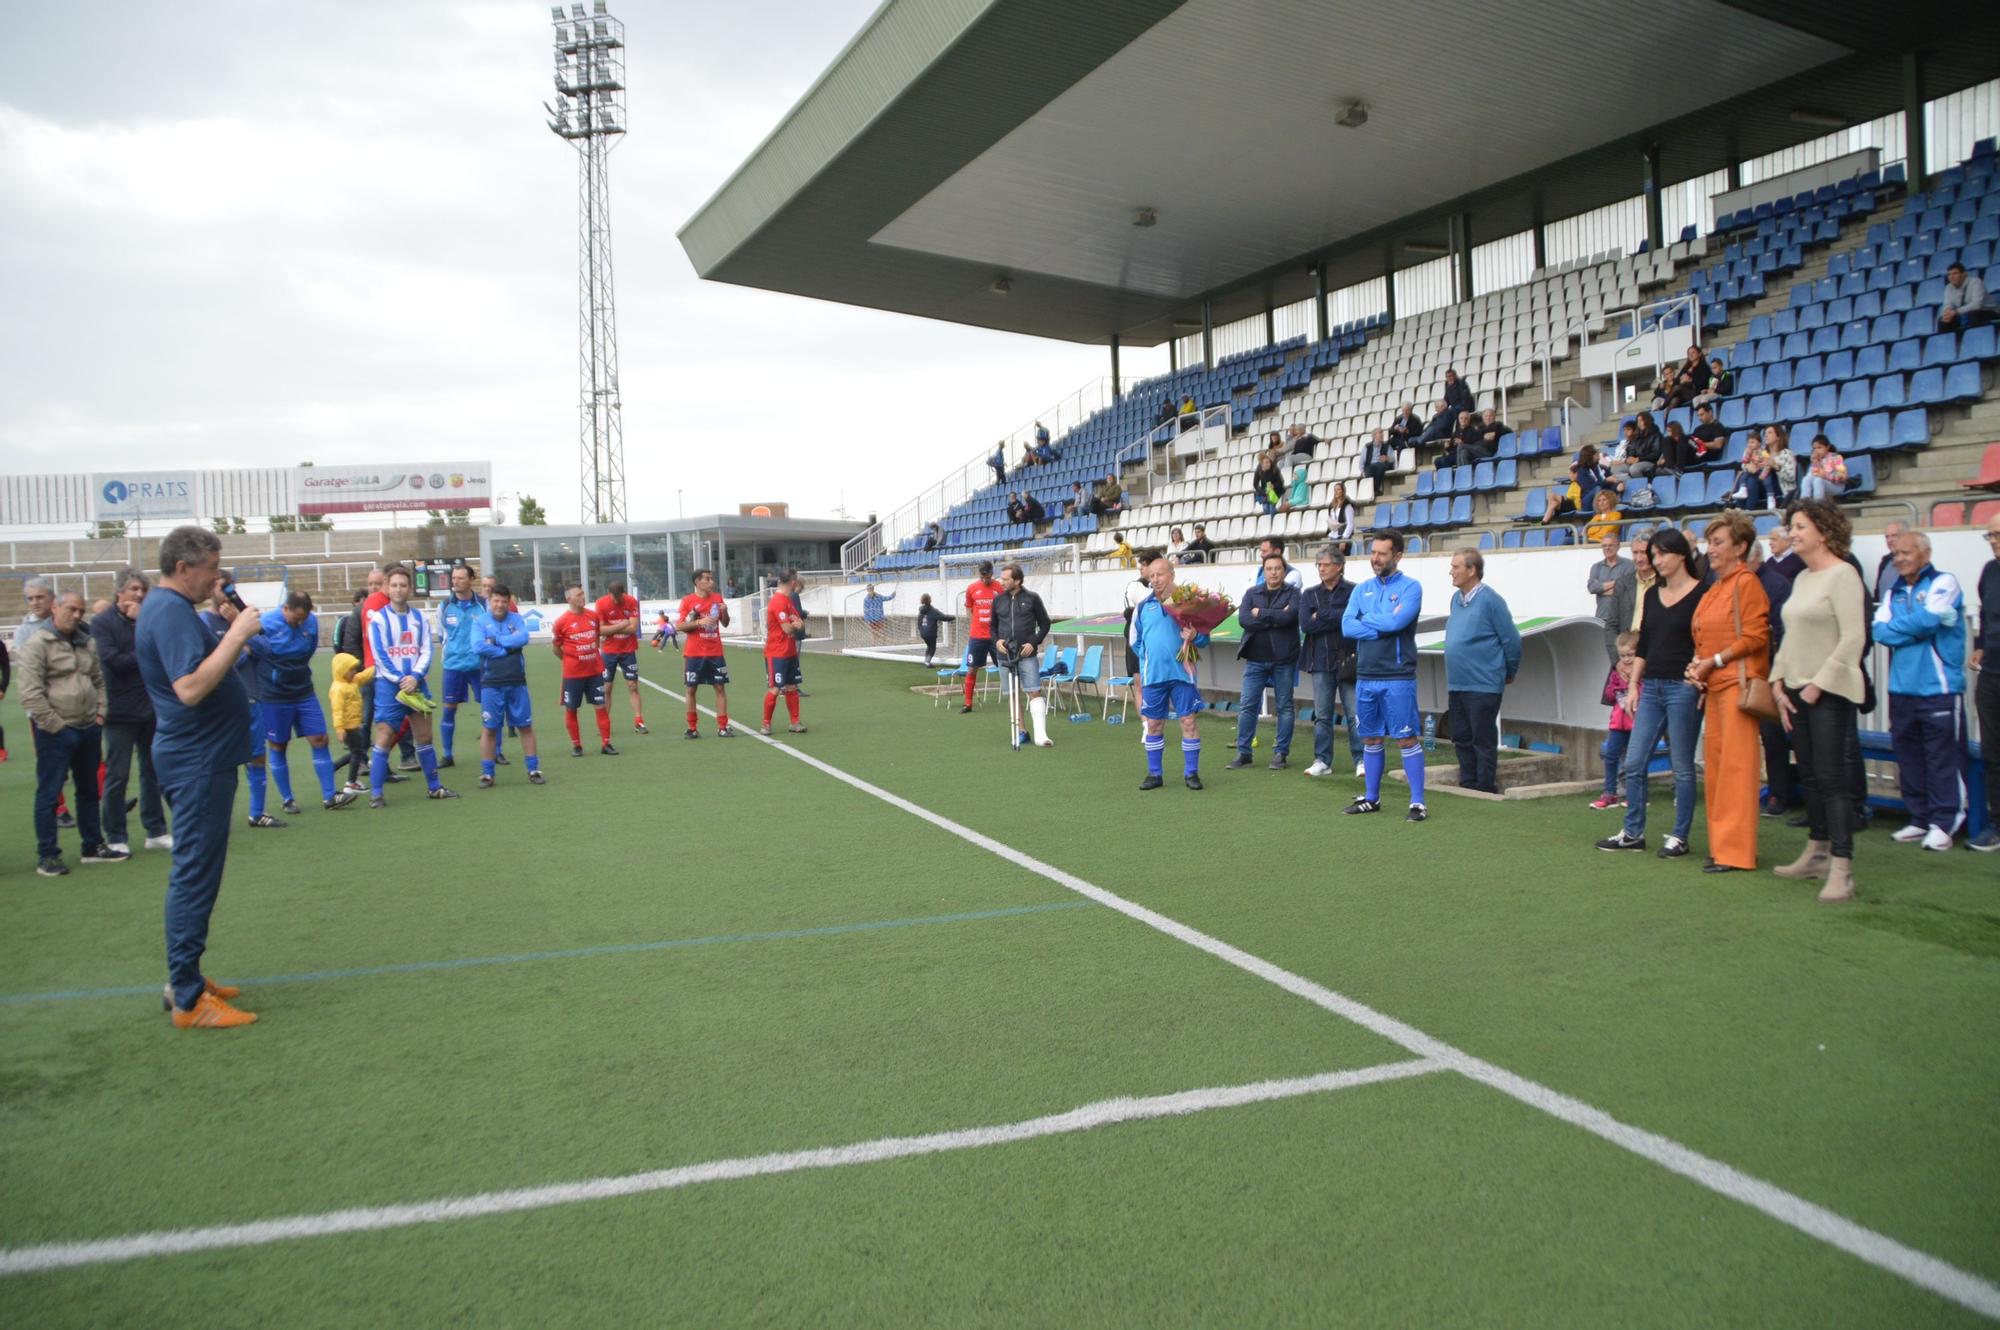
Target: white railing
{"x":1652,"y":317}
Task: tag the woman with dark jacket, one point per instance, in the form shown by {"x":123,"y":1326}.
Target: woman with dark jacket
{"x":1691,"y":379}
{"x":928,"y":619}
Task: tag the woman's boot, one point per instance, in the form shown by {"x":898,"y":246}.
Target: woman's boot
{"x":1839,"y":881}
{"x":1812,"y":861}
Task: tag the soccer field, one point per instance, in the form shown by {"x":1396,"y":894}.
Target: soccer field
{"x":708,"y":1034}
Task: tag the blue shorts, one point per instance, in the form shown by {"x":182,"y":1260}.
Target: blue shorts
{"x":979,"y":652}
{"x":710,"y":670}
{"x":782,"y":671}
{"x":1386,"y":708}
{"x":460,"y":686}
{"x":389,"y":709}
{"x":578,"y":691}
{"x":506,"y":704}
{"x":1178,"y":696}
{"x":284,"y":719}
{"x":621,"y":662}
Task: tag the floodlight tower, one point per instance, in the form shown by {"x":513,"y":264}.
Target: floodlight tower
{"x":590,"y":114}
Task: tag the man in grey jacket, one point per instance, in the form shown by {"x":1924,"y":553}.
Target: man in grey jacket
{"x":62,"y":690}
{"x":1614,"y":581}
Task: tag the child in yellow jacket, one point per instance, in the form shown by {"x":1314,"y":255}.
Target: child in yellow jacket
{"x":344,"y":707}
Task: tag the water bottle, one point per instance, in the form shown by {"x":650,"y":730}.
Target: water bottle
{"x":1431,"y":733}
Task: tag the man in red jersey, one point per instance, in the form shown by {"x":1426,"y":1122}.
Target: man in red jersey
{"x":701,"y":620}
{"x":979,"y":648}
{"x":782,"y":628}
{"x":575,"y":642}
{"x":618,"y":615}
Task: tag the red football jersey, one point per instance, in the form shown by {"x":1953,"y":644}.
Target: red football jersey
{"x":979,"y":598}
{"x":611,"y":611}
{"x":777,"y":642}
{"x":376,"y":600}
{"x":576,"y":634}
{"x":700,"y":641}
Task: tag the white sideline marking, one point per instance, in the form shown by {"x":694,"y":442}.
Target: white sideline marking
{"x":1877,"y":1249}
{"x":1103,"y":1113}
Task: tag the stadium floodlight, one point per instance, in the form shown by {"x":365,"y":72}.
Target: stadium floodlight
{"x":1818,"y":119}
{"x":589,"y":115}
{"x":1353,"y":115}
{"x":1146,"y":217}
{"x":1002,"y":285}
{"x":1425,"y":247}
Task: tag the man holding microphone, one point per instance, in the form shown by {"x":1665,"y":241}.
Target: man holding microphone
{"x":200,"y":740}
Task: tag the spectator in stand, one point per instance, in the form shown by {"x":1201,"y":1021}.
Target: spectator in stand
{"x":1775,"y":575}
{"x":1271,"y":546}
{"x":1041,"y":434}
{"x":128,"y":717}
{"x":1707,"y":440}
{"x":1340,"y":520}
{"x":1482,"y":654}
{"x":1458,"y":394}
{"x":1378,"y":458}
{"x":1329,"y":658}
{"x":1032,"y":510}
{"x":933,"y":537}
{"x":1109,"y":498}
{"x":1689,"y":380}
{"x":1405,"y":429}
{"x":1176,"y":544}
{"x":1817,"y":674}
{"x":1045,"y":452}
{"x":1966,"y":303}
{"x":1721,"y":383}
{"x":1299,"y":493}
{"x":1782,"y":464}
{"x":1613,"y":582}
{"x":1604,"y":516}
{"x":1014,"y":508}
{"x":1200,"y":549}
{"x":1028,"y":459}
{"x":1676,"y":450}
{"x":1986,"y":695}
{"x":1885,"y":567}
{"x":1267,"y":483}
{"x":1123,"y":552}
{"x":1301,"y":443}
{"x":998,"y":461}
{"x":1618,"y":728}
{"x":1586,"y":477}
{"x":1768,"y":473}
{"x":1645,"y":447}
{"x":1269,"y":618}
{"x":1826,"y":474}
{"x":1444,"y":419}
{"x":928,"y":619}
{"x":1079,"y":501}
{"x":1460,"y":445}
{"x":1922,"y":622}
{"x":1732,"y":646}
{"x":1665,"y":701}
{"x":62,"y":690}
{"x":1187,"y":409}
{"x":1486,"y":442}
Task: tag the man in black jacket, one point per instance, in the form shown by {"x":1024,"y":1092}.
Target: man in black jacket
{"x":1378,"y":458}
{"x":1329,"y":658}
{"x":128,"y":718}
{"x":1463,"y":440}
{"x":1019,"y":624}
{"x":1406,"y":428}
{"x":1986,"y":693}
{"x":1444,"y":419}
{"x":1269,"y":617}
{"x":1031,"y":508}
{"x":1457,"y":392}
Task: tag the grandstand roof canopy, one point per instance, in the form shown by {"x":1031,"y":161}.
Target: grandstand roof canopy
{"x":956,"y":141}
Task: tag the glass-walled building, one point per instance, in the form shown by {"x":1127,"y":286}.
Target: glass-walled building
{"x":657,"y":560}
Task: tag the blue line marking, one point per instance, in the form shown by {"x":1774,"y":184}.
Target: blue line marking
{"x":570,"y":954}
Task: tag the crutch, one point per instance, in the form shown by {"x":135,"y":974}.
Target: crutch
{"x":1016,"y":736}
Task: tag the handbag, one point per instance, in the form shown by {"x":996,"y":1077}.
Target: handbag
{"x":1754,"y":696}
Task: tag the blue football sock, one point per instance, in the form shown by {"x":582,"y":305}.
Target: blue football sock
{"x":486,"y":767}
{"x":1413,"y":767}
{"x":1156,"y":749}
{"x":428,"y":758}
{"x":534,"y":761}
{"x":378,"y":770}
{"x":448,"y":727}
{"x":323,"y":768}
{"x":257,"y":779}
{"x":1190,"y":756}
{"x":1371,"y":771}
{"x":280,"y":772}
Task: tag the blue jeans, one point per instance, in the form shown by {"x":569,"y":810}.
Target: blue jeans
{"x":1258,"y":675}
{"x":71,"y":754}
{"x":1331,"y":692}
{"x":1613,"y":752}
{"x":1673,"y":707}
{"x":203,"y":804}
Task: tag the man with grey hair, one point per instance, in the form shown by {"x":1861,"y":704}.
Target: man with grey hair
{"x":1922,"y":622}
{"x":128,"y":716}
{"x":200,"y":705}
{"x":1482,"y":654}
{"x":62,"y":690}
{"x":40,"y":596}
{"x":1885,"y":567}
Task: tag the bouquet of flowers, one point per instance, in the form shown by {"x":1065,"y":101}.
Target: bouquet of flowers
{"x":1203,"y":611}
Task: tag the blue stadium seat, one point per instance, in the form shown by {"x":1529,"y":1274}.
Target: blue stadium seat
{"x":1735,"y":413}
{"x":1795,"y":346}
{"x":1719,"y":484}
{"x":1510,"y":446}
{"x":1927,"y":386}
{"x":1533,"y":501}
{"x":1982,"y":343}
{"x":1868,"y":305}
{"x":1854,"y":397}
{"x":1666,"y":491}
{"x":1888,"y":394}
{"x":1486,"y":542}
{"x":1510,"y":539}
{"x":1941,"y":349}
{"x":1784,"y":321}
{"x":1809,"y":372}
{"x":1426,"y":484}
{"x":1750,"y":382}
{"x":1562,"y":535}
{"x":1810,"y":317}
{"x":1867,"y":362}
{"x":1896,"y":299}
{"x":1839,"y":432}
{"x":1482,"y":476}
{"x":1860,"y":476}
{"x":1461,"y":480}
{"x":1461,"y":510}
{"x":1399,"y":514}
{"x":1552,"y":439}
{"x":1871,"y":433}
{"x":1822,"y":400}
{"x":1505,"y":474}
{"x":1791,"y":405}
{"x":1910,"y":429}
{"x":1535,"y":538}
{"x":1778,"y":377}
{"x":1760,"y":326}
{"x":1762,"y":410}
{"x":1906,"y":355}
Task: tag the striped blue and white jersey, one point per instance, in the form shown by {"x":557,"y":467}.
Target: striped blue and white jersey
{"x":401,"y":642}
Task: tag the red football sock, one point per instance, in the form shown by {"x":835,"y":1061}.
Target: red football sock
{"x":792,"y":705}
{"x":604,"y":725}
{"x":575,"y":735}
{"x":721,"y":721}
{"x":694,"y":717}
{"x":971,"y":682}
{"x":770,"y":705}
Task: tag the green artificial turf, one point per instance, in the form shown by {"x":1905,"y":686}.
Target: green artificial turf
{"x":842,"y":971}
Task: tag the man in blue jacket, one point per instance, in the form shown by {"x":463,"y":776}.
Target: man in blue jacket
{"x":1381,"y":621}
{"x":1482,"y":654}
{"x":501,"y":634}
{"x":283,"y":653}
{"x":1165,"y":683}
{"x":458,"y":625}
{"x":1269,"y":618}
{"x":1922,"y":622}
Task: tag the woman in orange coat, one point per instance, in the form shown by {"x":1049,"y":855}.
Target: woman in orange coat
{"x":1724,"y":655}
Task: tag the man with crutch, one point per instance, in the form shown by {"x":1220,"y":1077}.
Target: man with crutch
{"x":1020,"y":623}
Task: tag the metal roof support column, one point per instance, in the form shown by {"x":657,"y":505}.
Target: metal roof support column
{"x":1461,"y":244}
{"x":1117,"y":391}
{"x":1389,"y":279}
{"x":1916,"y":147}
{"x":1656,"y":223}
{"x":1173,"y":354}
{"x":1319,"y":299}
{"x":1270,"y":325}
{"x":1734,"y":152}
{"x":1207,"y":335}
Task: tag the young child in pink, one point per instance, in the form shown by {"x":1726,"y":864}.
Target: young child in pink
{"x":1619,"y":728}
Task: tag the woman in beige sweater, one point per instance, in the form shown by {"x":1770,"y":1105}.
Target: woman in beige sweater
{"x":1818,"y":680}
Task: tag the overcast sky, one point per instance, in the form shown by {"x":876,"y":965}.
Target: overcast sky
{"x":244,"y":234}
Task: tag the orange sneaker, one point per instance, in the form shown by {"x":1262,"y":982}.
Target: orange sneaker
{"x":211,"y":1013}
{"x":208,"y":985}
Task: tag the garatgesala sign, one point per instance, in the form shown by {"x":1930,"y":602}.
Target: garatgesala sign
{"x":383,"y":489}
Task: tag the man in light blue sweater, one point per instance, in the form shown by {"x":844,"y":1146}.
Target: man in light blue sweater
{"x":1482,"y":654}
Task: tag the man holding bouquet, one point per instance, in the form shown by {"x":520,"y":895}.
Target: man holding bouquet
{"x":1167,"y":627}
{"x":1381,"y":621}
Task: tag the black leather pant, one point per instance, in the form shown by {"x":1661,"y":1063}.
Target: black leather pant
{"x":1827,"y":738}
